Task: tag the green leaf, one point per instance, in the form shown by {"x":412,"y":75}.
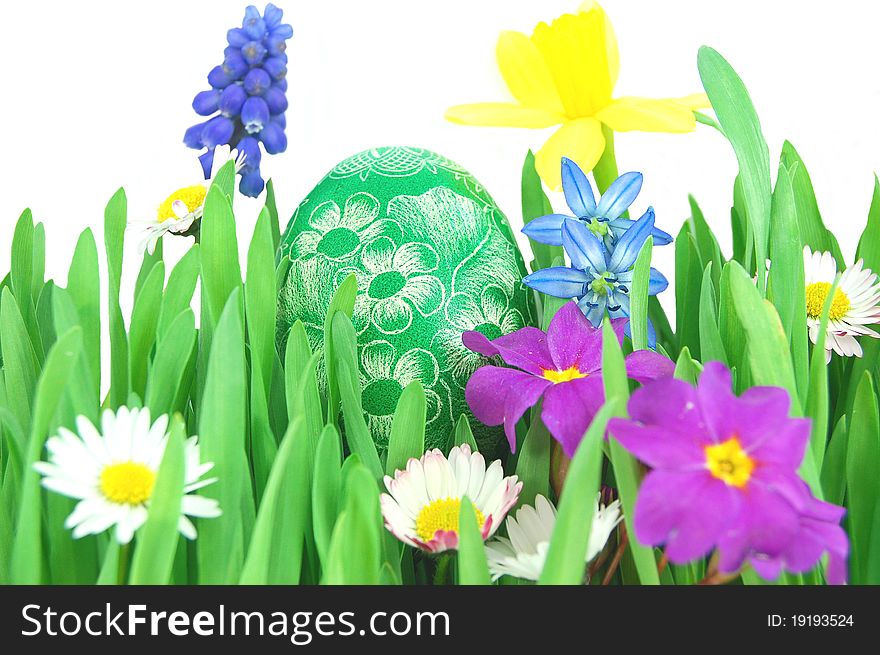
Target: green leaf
{"x":326,"y":489}
{"x":84,"y":287}
{"x":157,"y":540}
{"x":736,"y":114}
{"x":711,"y":344}
{"x":869,"y":242}
{"x":359,"y":523}
{"x":473,"y":569}
{"x":533,"y":463}
{"x":463,"y":433}
{"x":685,"y":367}
{"x":168,"y":368}
{"x":812,"y":230}
{"x":707,"y":245}
{"x":571,"y":534}
{"x":114,"y":234}
{"x":222,"y":432}
{"x":221,"y":273}
{"x":276,"y":547}
{"x":342,"y":301}
{"x":272,"y":208}
{"x":260,"y":299}
{"x":626,"y":469}
{"x":20,"y":368}
{"x":639,"y":296}
{"x":534,"y":204}
{"x":357,"y":434}
{"x":224,"y":181}
{"x":688,"y":282}
{"x":407,"y":429}
{"x":301,"y":384}
{"x":142,"y":333}
{"x":147,"y":264}
{"x":834,"y":464}
{"x":27,"y":551}
{"x":39,"y":261}
{"x":179,"y":290}
{"x":863,"y":481}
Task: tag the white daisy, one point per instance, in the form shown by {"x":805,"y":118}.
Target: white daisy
{"x":112,"y":473}
{"x":523,"y":552}
{"x":853,"y":308}
{"x":425,"y":499}
{"x":183,"y":207}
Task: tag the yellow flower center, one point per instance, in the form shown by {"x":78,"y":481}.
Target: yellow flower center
{"x":728,"y":461}
{"x":191,"y":196}
{"x":127,"y":483}
{"x":817,"y":292}
{"x":567,"y":375}
{"x":441,"y":514}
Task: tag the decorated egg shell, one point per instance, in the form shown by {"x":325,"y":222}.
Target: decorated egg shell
{"x":434,"y":256}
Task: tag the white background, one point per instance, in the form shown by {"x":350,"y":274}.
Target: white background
{"x":96,"y":95}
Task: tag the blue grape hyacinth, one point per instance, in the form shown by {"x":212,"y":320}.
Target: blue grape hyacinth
{"x":248,"y":97}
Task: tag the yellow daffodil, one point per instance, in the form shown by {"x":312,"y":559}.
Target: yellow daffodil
{"x":565,"y":74}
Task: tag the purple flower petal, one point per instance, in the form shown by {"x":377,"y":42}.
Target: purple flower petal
{"x":526,"y":348}
{"x":784,"y":447}
{"x":658,"y":447}
{"x":569,"y":408}
{"x":646,"y":365}
{"x":572,"y":341}
{"x":687,"y":511}
{"x":717,"y":401}
{"x":502,"y":395}
{"x":671,"y":404}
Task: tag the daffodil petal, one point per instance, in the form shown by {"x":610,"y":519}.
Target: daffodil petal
{"x":501,"y":114}
{"x":647,"y":115}
{"x":526,"y":72}
{"x":693,"y":101}
{"x":580,"y":140}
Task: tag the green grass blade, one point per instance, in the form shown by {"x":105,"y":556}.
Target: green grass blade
{"x":736,"y":114}
{"x":863,"y":476}
{"x":168,"y":368}
{"x":407,"y":429}
{"x":142,"y":332}
{"x":26,"y":566}
{"x":84,"y":287}
{"x":834,"y":465}
{"x":342,"y":301}
{"x":534,"y":204}
{"x":711,"y":344}
{"x":157,"y":540}
{"x":626,"y":469}
{"x":222,"y":432}
{"x":179,"y":291}
{"x":571,"y":534}
{"x":463,"y":433}
{"x":533,"y":463}
{"x":271,"y":207}
{"x":473,"y":569}
{"x":221,"y":273}
{"x":639,"y":296}
{"x":114,"y":234}
{"x":326,"y":489}
{"x":276,"y":546}
{"x":20,"y":368}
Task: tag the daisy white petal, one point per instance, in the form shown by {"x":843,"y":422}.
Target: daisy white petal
{"x":423,"y":502}
{"x":113,"y":473}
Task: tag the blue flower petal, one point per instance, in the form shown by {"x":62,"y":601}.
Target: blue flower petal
{"x":583,"y":247}
{"x":594,"y":312}
{"x":657,"y":282}
{"x":546,"y":229}
{"x":251,"y":184}
{"x":206,"y":159}
{"x":628,"y":246}
{"x":577,"y":189}
{"x":273,"y":137}
{"x":621,"y":225}
{"x":618,"y":305}
{"x":206,"y":102}
{"x":619,"y":196}
{"x":558,"y":281}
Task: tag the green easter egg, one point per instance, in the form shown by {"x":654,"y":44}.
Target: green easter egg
{"x":434,"y":257}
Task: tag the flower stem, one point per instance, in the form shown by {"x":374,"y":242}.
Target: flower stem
{"x":124,"y":561}
{"x":621,"y":546}
{"x":443,"y":572}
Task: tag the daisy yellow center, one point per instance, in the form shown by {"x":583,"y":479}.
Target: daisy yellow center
{"x":567,"y":375}
{"x":127,"y":483}
{"x":191,"y":196}
{"x":441,"y":514}
{"x":728,"y":461}
{"x":817,"y":293}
